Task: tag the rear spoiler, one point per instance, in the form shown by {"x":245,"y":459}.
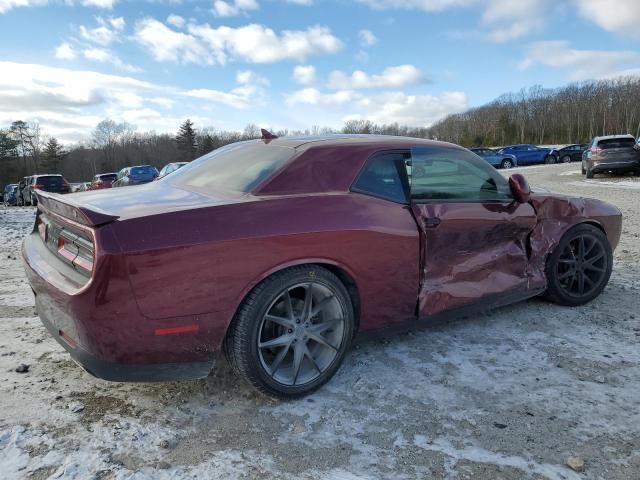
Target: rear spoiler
{"x":66,"y":206}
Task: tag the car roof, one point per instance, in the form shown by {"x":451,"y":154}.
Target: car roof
{"x":610,"y":137}
{"x":354,"y":139}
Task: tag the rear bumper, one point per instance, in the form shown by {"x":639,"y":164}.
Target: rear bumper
{"x":122,"y":372}
{"x":101,"y":327}
{"x":614,"y":166}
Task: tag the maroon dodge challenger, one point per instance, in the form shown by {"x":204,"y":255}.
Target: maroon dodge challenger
{"x":279,"y":250}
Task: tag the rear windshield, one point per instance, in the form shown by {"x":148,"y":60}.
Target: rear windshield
{"x":108,"y":178}
{"x":146,"y":170}
{"x":616,"y":143}
{"x":49,"y":180}
{"x":239,"y":167}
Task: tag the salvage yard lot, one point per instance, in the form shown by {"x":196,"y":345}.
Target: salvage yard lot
{"x":508,"y":394}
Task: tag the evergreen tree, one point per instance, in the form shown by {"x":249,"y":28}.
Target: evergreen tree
{"x":53,"y":155}
{"x":206,"y":145}
{"x":186,"y":140}
{"x":8,"y":146}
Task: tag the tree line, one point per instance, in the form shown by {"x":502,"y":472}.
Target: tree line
{"x":571,"y":114}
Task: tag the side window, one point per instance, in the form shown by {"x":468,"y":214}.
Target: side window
{"x":455,"y":175}
{"x":381,"y":177}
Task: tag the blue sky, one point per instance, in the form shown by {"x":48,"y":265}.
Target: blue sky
{"x":295,"y":63}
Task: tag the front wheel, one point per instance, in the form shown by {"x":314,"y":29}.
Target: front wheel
{"x":566,"y":159}
{"x":292,"y":332}
{"x":589,"y":173}
{"x":549,"y":159}
{"x":507,"y":163}
{"x":579,"y":267}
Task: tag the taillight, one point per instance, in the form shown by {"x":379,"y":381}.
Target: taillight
{"x":73,"y":248}
{"x":38,"y":186}
{"x":596,"y":150}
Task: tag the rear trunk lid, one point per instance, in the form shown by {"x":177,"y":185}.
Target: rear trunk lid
{"x":617,"y":150}
{"x":98,"y":207}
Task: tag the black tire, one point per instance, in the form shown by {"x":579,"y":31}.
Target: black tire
{"x":507,"y":163}
{"x":244,"y":334}
{"x":566,"y":159}
{"x":550,"y":159}
{"x":583,"y":170}
{"x":34,"y":201}
{"x":559,"y":266}
{"x":589,"y":173}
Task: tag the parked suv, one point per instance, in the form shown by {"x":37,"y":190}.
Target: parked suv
{"x":612,"y":153}
{"x":103,"y":180}
{"x":47,"y":183}
{"x":136,"y":175}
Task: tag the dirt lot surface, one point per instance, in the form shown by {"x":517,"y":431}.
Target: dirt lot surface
{"x":508,"y":395}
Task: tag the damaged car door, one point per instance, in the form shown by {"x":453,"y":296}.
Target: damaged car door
{"x":475,"y":235}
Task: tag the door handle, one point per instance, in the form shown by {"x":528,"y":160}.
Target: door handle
{"x":432,"y":222}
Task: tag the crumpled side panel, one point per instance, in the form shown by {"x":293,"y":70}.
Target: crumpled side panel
{"x":475,"y":251}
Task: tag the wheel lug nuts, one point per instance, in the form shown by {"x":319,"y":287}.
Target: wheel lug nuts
{"x":290,"y":331}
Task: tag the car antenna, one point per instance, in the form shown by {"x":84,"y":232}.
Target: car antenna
{"x":267,"y":135}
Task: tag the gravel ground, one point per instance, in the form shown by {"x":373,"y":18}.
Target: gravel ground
{"x":508,"y":395}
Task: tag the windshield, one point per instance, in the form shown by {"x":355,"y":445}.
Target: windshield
{"x":145,"y":170}
{"x":616,"y":143}
{"x":108,"y":178}
{"x":239,"y":167}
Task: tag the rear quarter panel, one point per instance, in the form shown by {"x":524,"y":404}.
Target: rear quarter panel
{"x":206,"y":260}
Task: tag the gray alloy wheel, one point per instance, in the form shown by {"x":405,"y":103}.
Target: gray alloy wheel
{"x":580,"y":266}
{"x":301,"y":333}
{"x":292,"y":331}
{"x":566,"y":159}
{"x":549,"y":159}
{"x":507,"y":163}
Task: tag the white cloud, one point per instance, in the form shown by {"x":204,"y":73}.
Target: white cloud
{"x":176,"y":20}
{"x":390,"y":107}
{"x":412,"y":110}
{"x":397,"y":76}
{"x":621,"y":16}
{"x":103,"y":55}
{"x":253,"y":43}
{"x":426,"y":5}
{"x":249,"y":77}
{"x":230,"y":9}
{"x":509,"y":20}
{"x":367,"y":38}
{"x":69,"y":103}
{"x":106,"y":33}
{"x":313,"y":96}
{"x":304,"y":74}
{"x":106,"y":4}
{"x":6,"y":5}
{"x":65,"y":51}
{"x":582,"y":64}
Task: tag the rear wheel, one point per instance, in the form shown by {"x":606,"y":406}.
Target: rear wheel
{"x":583,"y":170}
{"x":566,"y":159}
{"x":549,"y":159}
{"x":507,"y":163}
{"x":292,"y":332}
{"x":579,"y":267}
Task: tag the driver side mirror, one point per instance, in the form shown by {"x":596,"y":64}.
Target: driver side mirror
{"x":519,"y":188}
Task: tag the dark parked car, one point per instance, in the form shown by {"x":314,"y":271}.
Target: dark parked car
{"x":102,"y":180}
{"x":135,"y":176}
{"x":530,"y":154}
{"x":612,"y":153}
{"x":572,"y":153}
{"x":495,"y":159}
{"x":10,"y":195}
{"x":170,"y":167}
{"x":45,"y":183}
{"x":279,"y":250}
